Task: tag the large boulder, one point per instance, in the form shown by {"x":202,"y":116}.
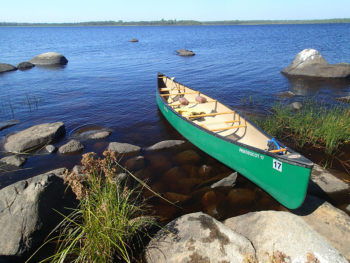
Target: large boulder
{"x":272,"y":231}
{"x":330,"y":222}
{"x":49,"y":59}
{"x":6,"y":67}
{"x":310,"y":63}
{"x":198,"y":237}
{"x":27,"y":213}
{"x":34,"y":137}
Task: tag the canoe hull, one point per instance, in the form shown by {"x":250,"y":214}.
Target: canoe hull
{"x":286,"y":182}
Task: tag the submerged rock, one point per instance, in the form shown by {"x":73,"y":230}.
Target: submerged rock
{"x":124,"y":149}
{"x":188,"y":156}
{"x":6,"y":67}
{"x":166,"y":145}
{"x":228,"y":181}
{"x":14,"y":160}
{"x":272,"y":231}
{"x":185,"y":53}
{"x":7,"y":124}
{"x":198,"y":237}
{"x":310,"y":63}
{"x":25,"y":65}
{"x":49,"y":58}
{"x":34,"y":137}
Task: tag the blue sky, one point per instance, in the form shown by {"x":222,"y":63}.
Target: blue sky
{"x":201,"y":10}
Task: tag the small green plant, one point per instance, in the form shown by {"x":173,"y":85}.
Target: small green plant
{"x":315,"y":124}
{"x":110,"y":221}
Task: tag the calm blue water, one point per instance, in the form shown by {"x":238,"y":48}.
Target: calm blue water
{"x":111,"y":82}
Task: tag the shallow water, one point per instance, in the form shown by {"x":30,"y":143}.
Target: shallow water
{"x":110,"y":82}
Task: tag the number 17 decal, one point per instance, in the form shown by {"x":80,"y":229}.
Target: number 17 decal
{"x":277,"y":165}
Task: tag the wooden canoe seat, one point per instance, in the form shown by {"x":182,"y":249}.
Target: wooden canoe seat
{"x":180,"y":93}
{"x":191,"y":102}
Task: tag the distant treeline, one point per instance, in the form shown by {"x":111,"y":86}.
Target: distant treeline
{"x":183,"y":22}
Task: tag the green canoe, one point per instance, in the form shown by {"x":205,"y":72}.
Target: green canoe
{"x":233,"y":140}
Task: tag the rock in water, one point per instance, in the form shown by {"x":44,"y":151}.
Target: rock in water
{"x":72,"y":146}
{"x":185,"y":53}
{"x":13,"y":160}
{"x":25,"y":65}
{"x":49,"y":58}
{"x":198,"y":237}
{"x":310,"y":63}
{"x":134,"y":40}
{"x":166,"y":145}
{"x":34,"y":137}
{"x":6,"y":67}
{"x":6,"y":124}
{"x":124,"y":149}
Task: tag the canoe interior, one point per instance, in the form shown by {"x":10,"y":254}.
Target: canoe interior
{"x":213,"y":115}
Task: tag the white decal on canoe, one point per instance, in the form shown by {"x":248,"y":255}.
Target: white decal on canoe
{"x":252,"y":154}
{"x":277,"y":165}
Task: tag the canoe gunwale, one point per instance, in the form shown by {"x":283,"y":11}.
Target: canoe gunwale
{"x":306,"y":164}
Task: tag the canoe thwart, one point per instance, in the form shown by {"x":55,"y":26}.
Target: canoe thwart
{"x":180,"y":93}
{"x":278,"y":150}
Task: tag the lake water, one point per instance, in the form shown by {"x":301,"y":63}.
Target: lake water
{"x":111,"y":82}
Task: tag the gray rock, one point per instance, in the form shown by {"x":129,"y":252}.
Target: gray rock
{"x":228,"y":181}
{"x":134,"y":40}
{"x":50,"y":148}
{"x":59,"y":172}
{"x":7,"y":124}
{"x":347,"y":208}
{"x":165,"y":145}
{"x":34,"y":137}
{"x":296,"y":105}
{"x":197,"y":237}
{"x":185,"y":53}
{"x":14,"y":160}
{"x":73,"y":146}
{"x":330,"y":222}
{"x":124,"y":149}
{"x":25,"y":65}
{"x":345,"y":99}
{"x":6,"y":67}
{"x":271,"y":231}
{"x":27,"y":213}
{"x":95,"y":134}
{"x":49,"y":58}
{"x":310,"y":63}
{"x":327,"y":182}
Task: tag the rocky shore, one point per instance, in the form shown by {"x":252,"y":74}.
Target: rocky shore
{"x":316,"y":232}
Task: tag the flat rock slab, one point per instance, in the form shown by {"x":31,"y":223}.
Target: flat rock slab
{"x":14,"y":160}
{"x":34,"y":137}
{"x":271,"y":231}
{"x":49,"y":58}
{"x":124,"y":149}
{"x":197,"y":237}
{"x":7,"y":124}
{"x":165,"y":145}
{"x":326,"y":181}
{"x":73,"y":146}
{"x":330,"y":222}
{"x":6,"y":67}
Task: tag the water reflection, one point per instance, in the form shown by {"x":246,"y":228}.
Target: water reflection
{"x":304,"y":86}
